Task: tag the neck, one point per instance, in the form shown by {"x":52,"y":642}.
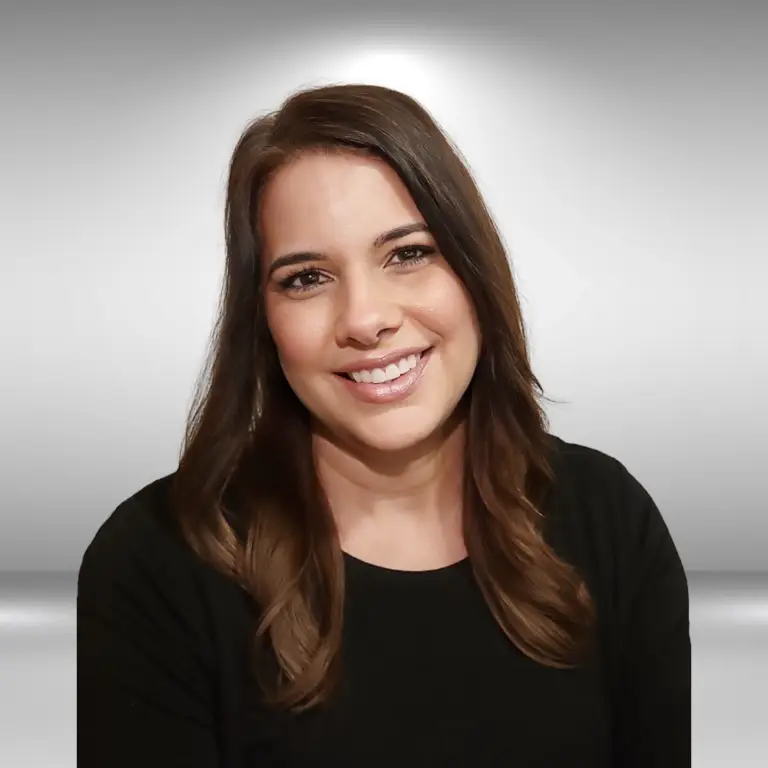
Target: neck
{"x":394,"y":496}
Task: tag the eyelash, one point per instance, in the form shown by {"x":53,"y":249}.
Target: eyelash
{"x":285,"y":283}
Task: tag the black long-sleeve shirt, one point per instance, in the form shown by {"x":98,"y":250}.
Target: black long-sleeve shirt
{"x":164,"y":643}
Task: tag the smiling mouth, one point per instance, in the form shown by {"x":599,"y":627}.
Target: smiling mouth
{"x":388,"y":374}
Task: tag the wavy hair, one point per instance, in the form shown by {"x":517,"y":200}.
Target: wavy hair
{"x":246,"y":494}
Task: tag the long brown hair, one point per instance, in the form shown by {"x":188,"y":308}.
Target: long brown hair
{"x":246,"y":493}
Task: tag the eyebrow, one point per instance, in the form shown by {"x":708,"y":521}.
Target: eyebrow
{"x":301,"y":257}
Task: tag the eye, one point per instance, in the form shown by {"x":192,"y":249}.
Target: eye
{"x":305,"y":280}
{"x":411,"y":255}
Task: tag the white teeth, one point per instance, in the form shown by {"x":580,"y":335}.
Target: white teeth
{"x":392,"y":371}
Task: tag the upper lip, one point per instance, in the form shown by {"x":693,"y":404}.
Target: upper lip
{"x":382,"y":361}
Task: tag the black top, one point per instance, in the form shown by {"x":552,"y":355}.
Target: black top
{"x":429,"y":679}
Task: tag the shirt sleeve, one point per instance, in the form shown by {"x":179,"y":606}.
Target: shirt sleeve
{"x":652,"y":654}
{"x":143,"y":685}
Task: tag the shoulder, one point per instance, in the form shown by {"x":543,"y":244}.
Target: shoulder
{"x":599,"y":489}
{"x":596,"y":489}
{"x":583,"y":468}
{"x":603,"y":517}
{"x":137,"y":557}
{"x":139,"y":526}
{"x":605,"y":521}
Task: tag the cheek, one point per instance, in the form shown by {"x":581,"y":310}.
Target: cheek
{"x":298,"y":336}
{"x":463,"y":338}
{"x":449,"y":310}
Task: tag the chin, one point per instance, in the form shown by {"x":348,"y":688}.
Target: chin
{"x":394,"y":434}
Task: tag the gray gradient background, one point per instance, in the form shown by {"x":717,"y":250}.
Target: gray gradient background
{"x":621,"y":147}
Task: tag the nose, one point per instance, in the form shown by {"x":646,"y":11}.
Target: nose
{"x":368,"y":311}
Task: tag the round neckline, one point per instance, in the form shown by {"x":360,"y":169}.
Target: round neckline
{"x":400,"y":572}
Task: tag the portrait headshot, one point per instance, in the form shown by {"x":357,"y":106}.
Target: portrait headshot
{"x":383,"y":385}
{"x":373,"y":550}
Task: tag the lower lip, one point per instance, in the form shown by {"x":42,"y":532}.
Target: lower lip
{"x":388,"y":391}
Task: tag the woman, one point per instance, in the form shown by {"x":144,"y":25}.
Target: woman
{"x":372,"y":551}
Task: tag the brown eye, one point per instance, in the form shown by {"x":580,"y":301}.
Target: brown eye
{"x":412,"y":255}
{"x":306,"y":280}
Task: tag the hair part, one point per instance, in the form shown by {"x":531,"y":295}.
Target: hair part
{"x":246,"y":493}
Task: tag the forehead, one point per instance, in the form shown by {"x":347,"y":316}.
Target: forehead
{"x":323,"y":200}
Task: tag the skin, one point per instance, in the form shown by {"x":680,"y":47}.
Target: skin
{"x":392,"y":472}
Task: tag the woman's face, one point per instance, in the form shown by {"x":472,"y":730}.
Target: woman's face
{"x":376,"y":335}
